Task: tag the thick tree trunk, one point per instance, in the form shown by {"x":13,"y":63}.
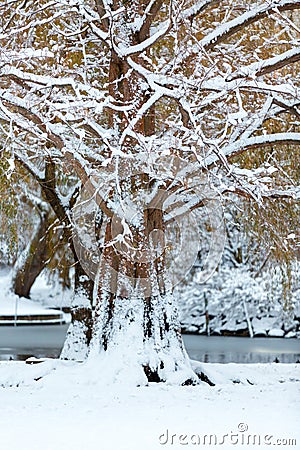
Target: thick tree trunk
{"x":136,"y":321}
{"x":142,"y":338}
{"x":33,"y":259}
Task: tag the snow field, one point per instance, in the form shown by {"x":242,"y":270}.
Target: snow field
{"x":69,"y":406}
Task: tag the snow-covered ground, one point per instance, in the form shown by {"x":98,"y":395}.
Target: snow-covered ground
{"x":44,"y":293}
{"x":69,"y":406}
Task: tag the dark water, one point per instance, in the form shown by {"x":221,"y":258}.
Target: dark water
{"x":41,"y":341}
{"x":224,"y":349}
{"x":21,"y":342}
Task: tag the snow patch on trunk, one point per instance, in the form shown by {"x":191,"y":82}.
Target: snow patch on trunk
{"x":75,"y":347}
{"x":134,"y":351}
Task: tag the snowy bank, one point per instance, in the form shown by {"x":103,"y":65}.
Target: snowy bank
{"x":231,"y":297}
{"x":234,"y":303}
{"x":70,"y":406}
{"x":22,"y":310}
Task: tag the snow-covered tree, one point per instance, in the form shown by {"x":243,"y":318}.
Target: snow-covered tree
{"x":150,"y":103}
{"x":257,"y":279}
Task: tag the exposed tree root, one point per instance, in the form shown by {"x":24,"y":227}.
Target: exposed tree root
{"x":205,"y":378}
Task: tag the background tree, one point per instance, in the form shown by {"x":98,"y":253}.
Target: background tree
{"x":36,"y":234}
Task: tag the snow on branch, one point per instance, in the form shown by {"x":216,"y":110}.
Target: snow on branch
{"x":9,"y":117}
{"x":49,"y":82}
{"x":35,"y":202}
{"x":91,"y":18}
{"x":254,"y":123}
{"x":30,"y":26}
{"x":17,"y":105}
{"x":292,"y":192}
{"x":24,"y":161}
{"x":253,"y":142}
{"x":193,"y":11}
{"x":142,"y":111}
{"x":143,"y":25}
{"x":224,"y":31}
{"x":261,"y":190}
{"x":220,"y":88}
{"x":267,"y":66}
{"x":157,"y":81}
{"x":123,"y":51}
{"x":80,"y":167}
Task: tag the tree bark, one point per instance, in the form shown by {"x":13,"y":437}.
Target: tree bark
{"x":33,"y":259}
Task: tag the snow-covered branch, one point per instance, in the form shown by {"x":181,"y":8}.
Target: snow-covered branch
{"x":224,"y":31}
{"x":145,"y":44}
{"x":29,"y":26}
{"x":263,"y":192}
{"x":267,"y":66}
{"x":72,"y":160}
{"x":227,"y":29}
{"x":193,"y":11}
{"x":25,"y":162}
{"x":242,"y":145}
{"x":143,"y":25}
{"x":28,"y":113}
{"x":49,"y":81}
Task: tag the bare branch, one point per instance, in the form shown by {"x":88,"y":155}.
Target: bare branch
{"x":102,"y":11}
{"x":148,"y":18}
{"x":284,"y":106}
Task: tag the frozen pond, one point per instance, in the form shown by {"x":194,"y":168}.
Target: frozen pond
{"x":46,"y":341}
{"x":40,"y":341}
{"x":224,"y":349}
